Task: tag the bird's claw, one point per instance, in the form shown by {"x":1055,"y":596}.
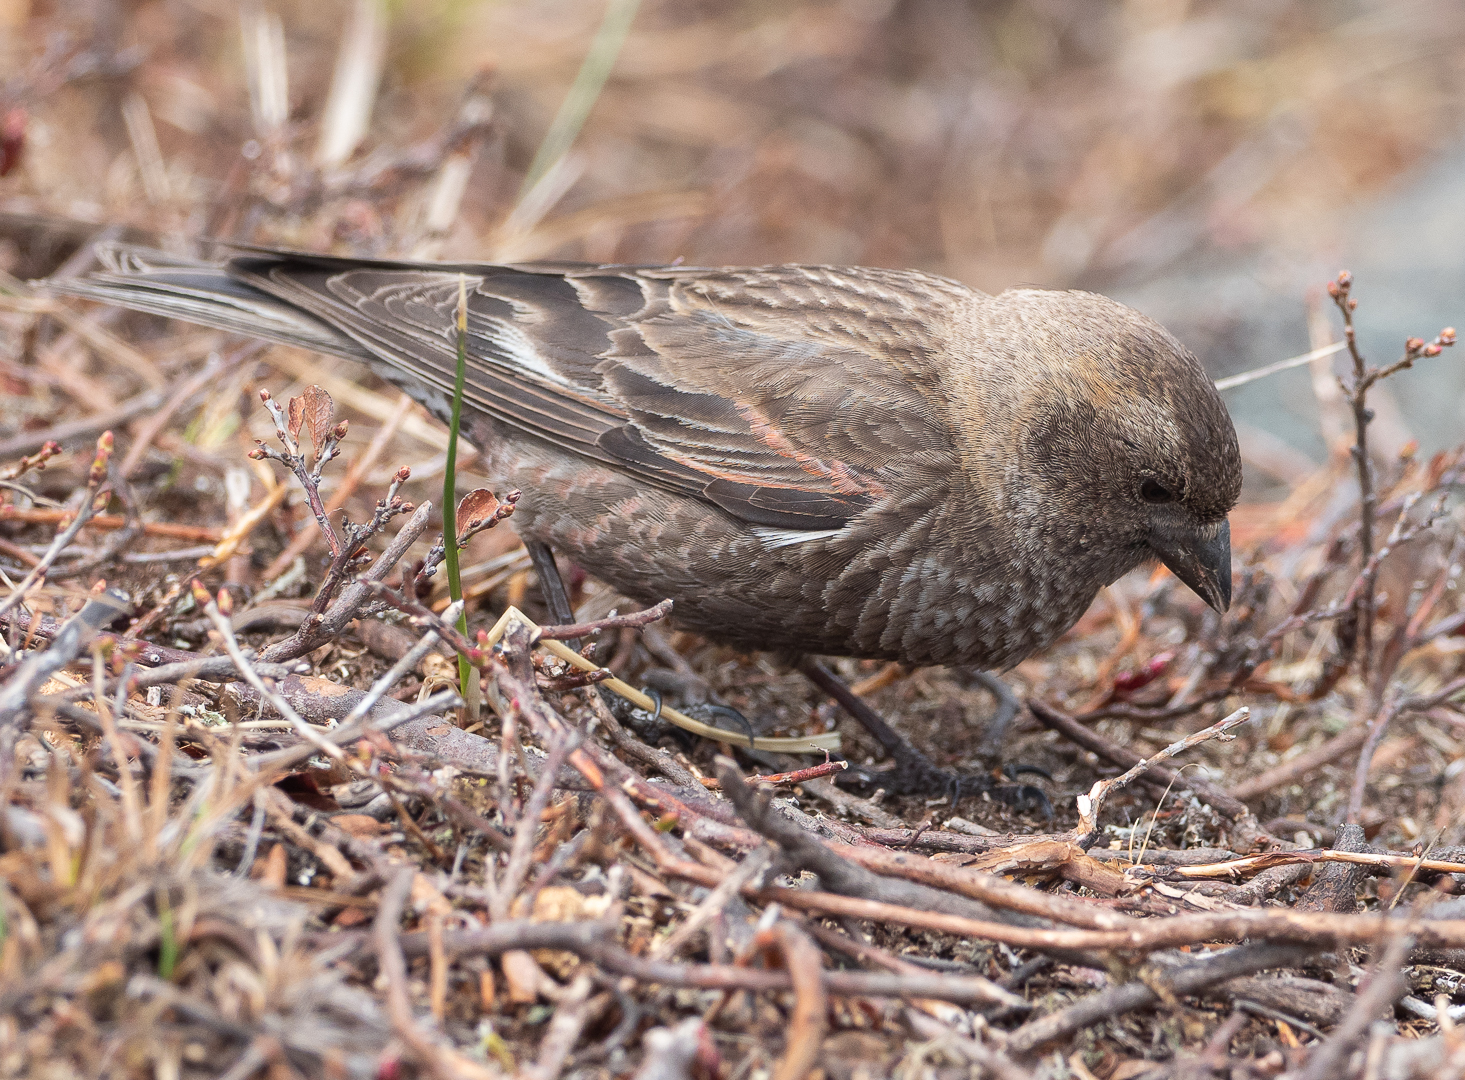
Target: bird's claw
{"x":1013,"y":771}
{"x":1021,"y":797}
{"x":1024,"y":798}
{"x":708,"y":710}
{"x":728,"y":712}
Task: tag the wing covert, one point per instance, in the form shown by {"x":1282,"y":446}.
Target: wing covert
{"x":791,"y":397}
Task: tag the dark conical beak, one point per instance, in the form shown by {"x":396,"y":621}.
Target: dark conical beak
{"x":1201,"y":559}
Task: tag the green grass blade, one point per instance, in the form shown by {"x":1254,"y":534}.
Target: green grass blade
{"x":581,"y":98}
{"x":467,"y":676}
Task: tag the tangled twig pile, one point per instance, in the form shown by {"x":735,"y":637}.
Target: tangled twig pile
{"x":245,"y":829}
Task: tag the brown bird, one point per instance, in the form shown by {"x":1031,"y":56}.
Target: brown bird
{"x":827,"y":460}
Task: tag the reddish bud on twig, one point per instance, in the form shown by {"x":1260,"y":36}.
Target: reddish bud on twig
{"x":403,"y":474}
{"x":35,"y":461}
{"x":1345,"y":279}
{"x":226,"y":602}
{"x":1333,"y":289}
{"x":339,"y":431}
{"x":201,"y":595}
{"x":1432,"y":349}
{"x":1447,"y":337}
{"x":1352,"y":305}
{"x":264,"y":395}
{"x":1414,"y":344}
{"x":477,"y":507}
{"x":98,"y":470}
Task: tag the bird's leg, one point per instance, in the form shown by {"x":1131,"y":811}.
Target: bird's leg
{"x":551,"y":585}
{"x":903,"y":752}
{"x":914,"y":771}
{"x":557,"y":600}
{"x":991,"y":748}
{"x":1007,"y":709}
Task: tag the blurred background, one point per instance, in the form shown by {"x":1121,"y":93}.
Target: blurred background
{"x":1213,"y":164}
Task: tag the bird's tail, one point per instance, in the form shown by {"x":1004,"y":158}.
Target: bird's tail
{"x":199,"y":292}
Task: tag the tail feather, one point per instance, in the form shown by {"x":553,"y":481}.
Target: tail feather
{"x":201,"y":292}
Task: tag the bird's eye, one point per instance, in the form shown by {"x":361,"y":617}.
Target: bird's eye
{"x":1152,"y":491}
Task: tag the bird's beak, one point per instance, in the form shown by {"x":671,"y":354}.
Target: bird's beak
{"x":1201,"y":559}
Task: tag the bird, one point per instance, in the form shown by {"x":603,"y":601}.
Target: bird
{"x":817,"y":460}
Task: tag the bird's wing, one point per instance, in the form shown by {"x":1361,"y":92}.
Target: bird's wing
{"x":789,"y":396}
{"x":794,"y":394}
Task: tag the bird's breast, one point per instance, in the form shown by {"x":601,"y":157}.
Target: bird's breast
{"x":910,"y":580}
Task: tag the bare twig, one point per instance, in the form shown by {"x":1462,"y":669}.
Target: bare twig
{"x":344,"y":490}
{"x":1384,"y":986}
{"x":35,"y":461}
{"x":1355,"y":390}
{"x":1157,"y":984}
{"x":589,"y":940}
{"x":571,"y":1014}
{"x":74,"y":636}
{"x":797,"y":776}
{"x":241,"y":662}
{"x":168,"y":529}
{"x":712,"y":904}
{"x":808,"y":1021}
{"x":614,"y":622}
{"x":1089,"y":806}
{"x":88,"y":506}
{"x":387,"y":938}
{"x":1089,"y":739}
{"x":319,"y":628}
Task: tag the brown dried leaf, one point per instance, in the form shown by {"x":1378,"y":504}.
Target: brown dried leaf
{"x":477,"y":508}
{"x":271,"y":870}
{"x":522,"y":976}
{"x":359,"y":825}
{"x":320,"y":411}
{"x":295,"y":413}
{"x":1127,"y":1070}
{"x":426,"y":898}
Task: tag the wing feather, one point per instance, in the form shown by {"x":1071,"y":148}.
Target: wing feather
{"x":793,"y":397}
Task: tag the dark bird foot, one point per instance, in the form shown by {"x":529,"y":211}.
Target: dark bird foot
{"x":651,"y":729}
{"x":914,"y":772}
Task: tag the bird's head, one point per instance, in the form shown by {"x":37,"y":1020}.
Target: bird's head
{"x":1126,"y":451}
